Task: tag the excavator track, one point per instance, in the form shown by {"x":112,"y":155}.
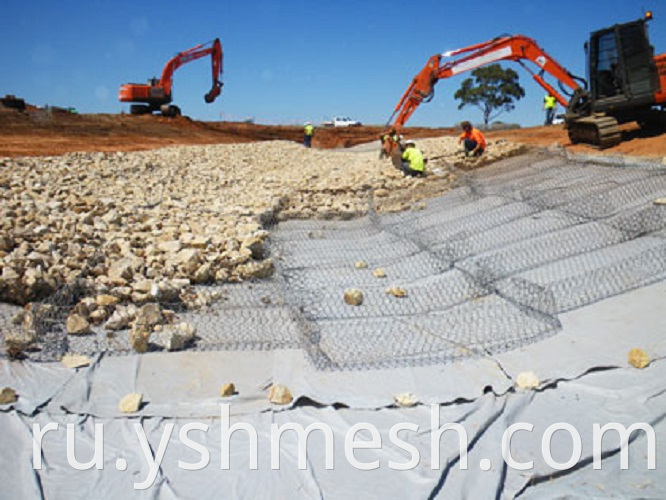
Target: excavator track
{"x":600,"y":131}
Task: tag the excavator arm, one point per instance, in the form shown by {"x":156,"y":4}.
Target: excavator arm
{"x":516,"y":48}
{"x":156,"y":95}
{"x":214,"y":49}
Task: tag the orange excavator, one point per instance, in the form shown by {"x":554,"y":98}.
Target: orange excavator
{"x":156,"y":95}
{"x":627,"y":82}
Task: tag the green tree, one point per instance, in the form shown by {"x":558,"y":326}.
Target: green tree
{"x":492,"y":89}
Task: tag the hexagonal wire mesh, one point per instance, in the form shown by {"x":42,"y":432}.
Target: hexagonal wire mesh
{"x":487,"y":268}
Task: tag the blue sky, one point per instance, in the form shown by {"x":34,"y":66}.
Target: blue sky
{"x":291,"y":61}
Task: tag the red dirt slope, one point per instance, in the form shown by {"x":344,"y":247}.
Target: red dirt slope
{"x":38,"y":132}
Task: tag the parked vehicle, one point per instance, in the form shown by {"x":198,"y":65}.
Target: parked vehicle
{"x":342,"y":121}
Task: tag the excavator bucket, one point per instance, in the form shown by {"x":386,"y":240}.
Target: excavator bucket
{"x":396,"y":158}
{"x":391,"y":148}
{"x":214,"y":92}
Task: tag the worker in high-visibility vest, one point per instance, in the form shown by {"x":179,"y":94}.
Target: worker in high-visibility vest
{"x":309,"y":132}
{"x":472,"y":139}
{"x":549,"y":104}
{"x":413,"y":163}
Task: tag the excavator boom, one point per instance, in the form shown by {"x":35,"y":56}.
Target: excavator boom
{"x":509,"y":48}
{"x":156,"y":95}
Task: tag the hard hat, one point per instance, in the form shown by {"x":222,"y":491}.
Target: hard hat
{"x":307,"y":123}
{"x":410,"y":142}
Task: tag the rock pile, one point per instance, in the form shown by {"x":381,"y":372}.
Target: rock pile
{"x":143,"y":228}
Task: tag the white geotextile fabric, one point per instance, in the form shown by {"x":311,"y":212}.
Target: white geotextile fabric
{"x":585,"y":379}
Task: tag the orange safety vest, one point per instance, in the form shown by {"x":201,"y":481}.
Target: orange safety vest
{"x":476,"y":135}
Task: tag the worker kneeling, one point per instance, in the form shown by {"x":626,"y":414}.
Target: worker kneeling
{"x":412,"y":163}
{"x":473,"y":140}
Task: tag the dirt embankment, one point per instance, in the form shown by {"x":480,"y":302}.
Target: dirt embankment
{"x":39,"y":132}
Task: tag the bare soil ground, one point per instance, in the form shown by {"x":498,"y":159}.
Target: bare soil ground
{"x":38,"y":132}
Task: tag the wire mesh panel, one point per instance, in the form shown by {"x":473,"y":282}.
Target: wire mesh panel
{"x":431,"y":293}
{"x":440,"y":232}
{"x":485,"y":268}
{"x":481,"y":327}
{"x":640,"y":220}
{"x":329,"y":251}
{"x":586,"y":278}
{"x":401,"y":269}
{"x":467,"y":243}
{"x":541,"y":250}
{"x":415,"y":223}
{"x":623,"y":197}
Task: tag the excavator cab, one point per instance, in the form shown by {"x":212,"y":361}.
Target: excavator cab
{"x":622,"y":71}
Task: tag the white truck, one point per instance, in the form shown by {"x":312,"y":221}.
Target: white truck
{"x":342,"y":121}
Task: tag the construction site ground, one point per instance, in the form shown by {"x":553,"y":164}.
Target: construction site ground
{"x":39,"y":132}
{"x":524,"y":291}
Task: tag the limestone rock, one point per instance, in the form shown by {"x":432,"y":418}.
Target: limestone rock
{"x":142,"y":286}
{"x":131,"y":403}
{"x":140,"y":332}
{"x":527,"y":380}
{"x":6,"y":243}
{"x":120,"y":319}
{"x":397,"y":291}
{"x":16,"y":341}
{"x":8,"y":396}
{"x":638,"y":358}
{"x":187,"y":330}
{"x":175,"y":338}
{"x":32,"y":319}
{"x":104,"y":300}
{"x":85,"y":306}
{"x":98,"y":316}
{"x":227,"y":390}
{"x":169,"y":338}
{"x":379,"y":273}
{"x":280,"y":394}
{"x":121,"y":271}
{"x":203,"y":274}
{"x":77,"y":325}
{"x":149,"y":315}
{"x":196,"y":241}
{"x":172,"y":246}
{"x":259,"y":269}
{"x":189,"y":258}
{"x":256,"y":247}
{"x":405,"y":399}
{"x":167,"y":291}
{"x":75,"y":360}
{"x":353,"y":297}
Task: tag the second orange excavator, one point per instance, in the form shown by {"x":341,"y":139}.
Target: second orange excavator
{"x":156,"y":94}
{"x":627,"y":82}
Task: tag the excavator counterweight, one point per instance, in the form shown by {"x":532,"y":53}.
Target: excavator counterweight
{"x":156,"y":94}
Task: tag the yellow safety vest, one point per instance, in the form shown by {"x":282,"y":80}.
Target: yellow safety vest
{"x":549,"y":101}
{"x":309,"y":130}
{"x":415,"y":159}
